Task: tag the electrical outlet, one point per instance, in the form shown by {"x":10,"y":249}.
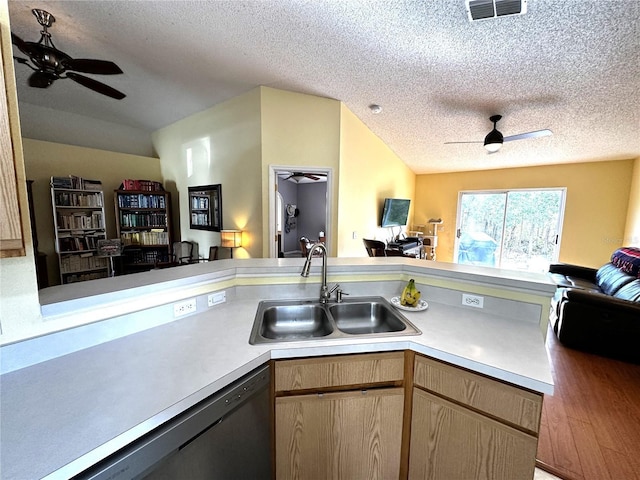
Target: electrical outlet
{"x":184,"y":307}
{"x":472,"y":301}
{"x":216,"y":298}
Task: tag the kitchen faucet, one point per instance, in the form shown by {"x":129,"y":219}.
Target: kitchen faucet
{"x":325,"y":293}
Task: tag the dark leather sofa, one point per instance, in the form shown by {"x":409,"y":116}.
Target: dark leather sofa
{"x":598,"y":310}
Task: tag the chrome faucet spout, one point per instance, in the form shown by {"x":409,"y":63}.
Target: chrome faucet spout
{"x":325,"y":293}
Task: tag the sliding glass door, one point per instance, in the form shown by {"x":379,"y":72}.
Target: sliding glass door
{"x":513,"y":229}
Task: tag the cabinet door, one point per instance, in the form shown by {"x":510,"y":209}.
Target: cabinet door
{"x":347,"y":435}
{"x":11,"y":239}
{"x":450,"y":441}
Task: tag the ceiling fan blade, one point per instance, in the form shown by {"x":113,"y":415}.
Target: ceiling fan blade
{"x":96,"y":86}
{"x":312,"y":177}
{"x":453,"y":143}
{"x":21,"y":44}
{"x":40,"y":79}
{"x":86,"y":65}
{"x":523,"y":136}
{"x":23,"y":61}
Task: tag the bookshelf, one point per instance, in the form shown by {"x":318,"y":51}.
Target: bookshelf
{"x":79,"y":222}
{"x":143,"y":224}
{"x":205,"y":207}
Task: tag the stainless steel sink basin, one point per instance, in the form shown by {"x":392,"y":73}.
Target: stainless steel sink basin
{"x":359,"y":318}
{"x":297,"y":320}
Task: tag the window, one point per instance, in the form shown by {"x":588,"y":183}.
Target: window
{"x":512,"y":229}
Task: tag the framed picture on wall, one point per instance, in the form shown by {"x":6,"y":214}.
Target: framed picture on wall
{"x":205,"y":207}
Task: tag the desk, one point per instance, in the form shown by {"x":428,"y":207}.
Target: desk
{"x":412,"y":249}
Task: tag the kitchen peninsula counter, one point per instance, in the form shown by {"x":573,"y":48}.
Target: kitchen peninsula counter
{"x":62,"y":415}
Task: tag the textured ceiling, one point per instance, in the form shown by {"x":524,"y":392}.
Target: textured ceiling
{"x":571,"y":66}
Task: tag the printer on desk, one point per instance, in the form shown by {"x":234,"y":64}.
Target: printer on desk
{"x":404,"y":244}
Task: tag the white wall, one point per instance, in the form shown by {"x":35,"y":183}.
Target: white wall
{"x":222,"y":145}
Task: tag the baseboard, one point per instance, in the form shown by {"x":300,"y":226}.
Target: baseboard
{"x":552,"y":470}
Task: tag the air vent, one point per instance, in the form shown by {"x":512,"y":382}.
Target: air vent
{"x":483,"y":9}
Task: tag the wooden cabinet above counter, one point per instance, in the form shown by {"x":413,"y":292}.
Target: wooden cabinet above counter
{"x":11,"y":233}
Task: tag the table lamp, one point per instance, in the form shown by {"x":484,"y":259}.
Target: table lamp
{"x":231,"y":239}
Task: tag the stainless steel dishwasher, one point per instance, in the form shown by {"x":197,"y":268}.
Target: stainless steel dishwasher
{"x":226,"y":436}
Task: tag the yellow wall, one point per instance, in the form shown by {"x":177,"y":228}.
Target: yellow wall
{"x":19,"y":308}
{"x":225,"y":149}
{"x":595,"y":212}
{"x":369,"y":172}
{"x":299,"y":130}
{"x":46,"y":159}
{"x":632,"y":230}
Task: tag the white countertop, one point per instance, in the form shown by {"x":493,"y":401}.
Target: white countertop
{"x":61,"y":416}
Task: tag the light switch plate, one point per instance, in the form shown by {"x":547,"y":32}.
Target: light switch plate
{"x":216,"y":298}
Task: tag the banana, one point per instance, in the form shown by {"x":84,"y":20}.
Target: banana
{"x":403,"y":296}
{"x":416,"y":298}
{"x":406,"y":299}
{"x":415,"y":294}
{"x":410,"y":295}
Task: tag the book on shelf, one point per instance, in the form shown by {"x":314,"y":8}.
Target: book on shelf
{"x":152,"y":237}
{"x":80,"y":221}
{"x":128,"y":220}
{"x":75,"y":199}
{"x":200,"y":202}
{"x":141,"y":200}
{"x":74,"y":182}
{"x":143,"y":185}
{"x":95,"y":185}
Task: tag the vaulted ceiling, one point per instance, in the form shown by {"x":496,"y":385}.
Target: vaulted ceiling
{"x":570,"y":66}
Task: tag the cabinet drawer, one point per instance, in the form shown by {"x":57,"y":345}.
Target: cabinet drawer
{"x":511,"y":404}
{"x":338,"y":371}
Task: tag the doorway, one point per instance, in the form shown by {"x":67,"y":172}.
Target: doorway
{"x":512,"y":229}
{"x":299,"y":205}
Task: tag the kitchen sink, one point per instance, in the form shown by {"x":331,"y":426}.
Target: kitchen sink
{"x":358,"y":318}
{"x":298,"y":320}
{"x":295,"y":321}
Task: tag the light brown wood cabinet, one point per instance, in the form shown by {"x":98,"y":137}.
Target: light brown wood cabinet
{"x":339,"y":417}
{"x":344,"y":435}
{"x":400,"y":415}
{"x":11,"y":234}
{"x":465,"y":425}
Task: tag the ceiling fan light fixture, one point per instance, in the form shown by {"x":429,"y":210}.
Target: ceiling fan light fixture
{"x":492,"y":147}
{"x":493,"y":141}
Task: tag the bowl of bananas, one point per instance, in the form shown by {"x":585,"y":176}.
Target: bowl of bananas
{"x":410,"y":299}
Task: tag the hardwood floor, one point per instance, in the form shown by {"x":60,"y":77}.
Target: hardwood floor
{"x":590,"y":427}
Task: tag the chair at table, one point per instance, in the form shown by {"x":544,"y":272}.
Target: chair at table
{"x":183,"y":252}
{"x":305,"y":246}
{"x":375,"y":248}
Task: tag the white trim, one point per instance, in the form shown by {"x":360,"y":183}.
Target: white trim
{"x":273,"y":175}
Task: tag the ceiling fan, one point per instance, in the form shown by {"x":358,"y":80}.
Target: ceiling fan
{"x":494,"y":139}
{"x":50,"y":64}
{"x":297,"y":176}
